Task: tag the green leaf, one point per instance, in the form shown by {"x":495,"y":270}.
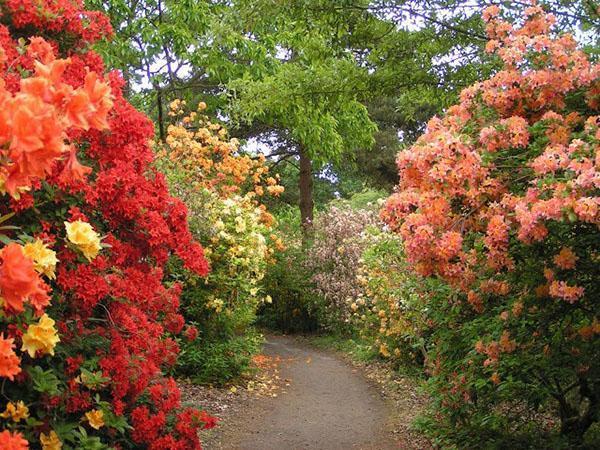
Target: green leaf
{"x":44,"y":381}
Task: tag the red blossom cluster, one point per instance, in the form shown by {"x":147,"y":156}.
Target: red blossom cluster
{"x":114,"y":312}
{"x":59,"y":16}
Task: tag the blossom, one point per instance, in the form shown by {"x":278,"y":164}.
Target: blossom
{"x":50,"y":441}
{"x":18,"y":279}
{"x":84,"y":237}
{"x":41,"y":337}
{"x":384,"y":351}
{"x":9,"y":361}
{"x":566,"y":259}
{"x":44,"y":259}
{"x":16,"y":412}
{"x":490,"y":13}
{"x":95,"y":418}
{"x":191,"y":333}
{"x":562,"y":290}
{"x":587,"y":208}
{"x":12,"y":441}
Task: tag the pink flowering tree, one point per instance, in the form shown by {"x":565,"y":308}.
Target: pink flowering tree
{"x":499,"y":200}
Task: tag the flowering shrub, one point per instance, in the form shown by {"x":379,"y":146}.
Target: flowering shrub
{"x":88,"y":227}
{"x":499,"y":199}
{"x":389,"y":309}
{"x":340,"y":237}
{"x":222,"y":187}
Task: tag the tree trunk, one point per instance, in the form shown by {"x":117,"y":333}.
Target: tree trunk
{"x":305,"y":183}
{"x":159,"y":105}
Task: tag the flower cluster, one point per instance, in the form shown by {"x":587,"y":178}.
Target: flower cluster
{"x":88,"y":227}
{"x":202,"y":149}
{"x":237,"y":248}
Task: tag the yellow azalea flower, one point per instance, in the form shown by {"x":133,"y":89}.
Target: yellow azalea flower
{"x":240,"y":225}
{"x":16,"y":412}
{"x":84,"y":237}
{"x":96,"y":418}
{"x":383,"y":350}
{"x":50,"y":441}
{"x":43,"y":258}
{"x":40,"y":337}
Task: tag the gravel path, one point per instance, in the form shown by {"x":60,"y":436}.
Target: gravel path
{"x":325,"y":404}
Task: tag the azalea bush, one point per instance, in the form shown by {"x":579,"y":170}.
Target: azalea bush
{"x":389,"y":311}
{"x":223,"y":188}
{"x":86,"y":318}
{"x":333,"y":260}
{"x":499,"y":199}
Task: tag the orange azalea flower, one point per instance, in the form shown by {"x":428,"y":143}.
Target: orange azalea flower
{"x":566,"y":259}
{"x":561,"y":289}
{"x":74,"y":170}
{"x":100,"y":99}
{"x":41,"y":50}
{"x":78,"y":109}
{"x":517,"y":309}
{"x":12,"y":441}
{"x":506,"y":343}
{"x":18,"y":278}
{"x":9,"y":361}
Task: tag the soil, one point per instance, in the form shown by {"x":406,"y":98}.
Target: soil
{"x":306,"y":398}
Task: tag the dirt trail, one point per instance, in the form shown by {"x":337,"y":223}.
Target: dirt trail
{"x":327,"y":405}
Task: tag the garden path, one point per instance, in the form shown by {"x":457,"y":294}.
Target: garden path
{"x":326,"y":404}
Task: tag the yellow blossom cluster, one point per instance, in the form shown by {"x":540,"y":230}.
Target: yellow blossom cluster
{"x":41,"y":337}
{"x":44,"y":259}
{"x":15,"y":411}
{"x":95,"y":418}
{"x":83,"y":236}
{"x":388,"y":309}
{"x":50,"y":441}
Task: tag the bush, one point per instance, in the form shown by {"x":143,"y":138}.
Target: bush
{"x":390,"y":309}
{"x":219,"y":360}
{"x":340,"y":237}
{"x":87,"y":320}
{"x":222,"y":187}
{"x":499,"y":199}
